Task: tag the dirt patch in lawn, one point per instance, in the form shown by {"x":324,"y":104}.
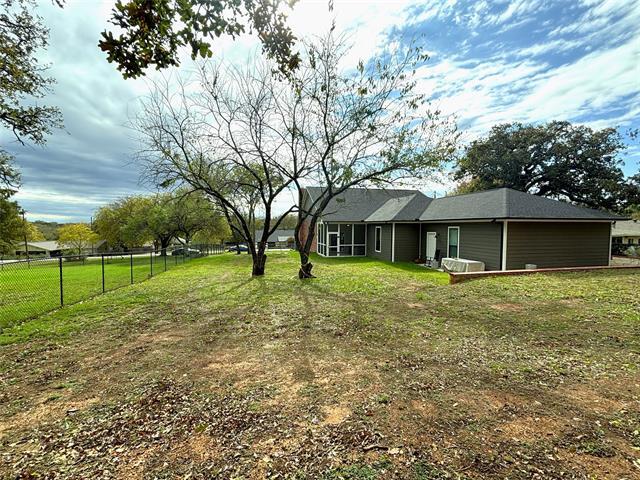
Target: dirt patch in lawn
{"x":47,"y":410}
{"x":335,"y":414}
{"x":595,"y":397}
{"x":507,"y":307}
{"x":528,"y":428}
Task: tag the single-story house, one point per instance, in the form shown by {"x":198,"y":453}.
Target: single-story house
{"x":625,"y":236}
{"x":626,"y":232}
{"x":48,"y":248}
{"x":503,"y":228}
{"x":51,"y":248}
{"x":281,"y":238}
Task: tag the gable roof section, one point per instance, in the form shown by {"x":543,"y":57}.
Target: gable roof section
{"x":401,"y":209}
{"x":280,"y":235}
{"x":506,"y":203}
{"x":358,"y":204}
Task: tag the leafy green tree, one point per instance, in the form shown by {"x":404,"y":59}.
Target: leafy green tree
{"x":217,"y":231}
{"x":22,"y":35}
{"x":9,"y":176}
{"x":120,"y":224}
{"x":11,"y":226}
{"x":159,"y":222}
{"x":153,"y":31}
{"x":49,"y":229}
{"x":77,"y":237}
{"x":32,"y":232}
{"x":288,"y":222}
{"x":557,"y":160}
{"x":14,"y":229}
{"x":192,"y":212}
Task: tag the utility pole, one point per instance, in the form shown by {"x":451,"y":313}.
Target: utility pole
{"x":24,"y":222}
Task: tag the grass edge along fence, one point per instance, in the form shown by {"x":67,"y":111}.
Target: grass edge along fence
{"x":35,"y":286}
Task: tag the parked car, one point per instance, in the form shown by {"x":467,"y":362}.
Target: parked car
{"x":242,"y":247}
{"x":187,"y":252}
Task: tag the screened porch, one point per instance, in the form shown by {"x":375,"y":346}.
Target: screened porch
{"x":342,"y":239}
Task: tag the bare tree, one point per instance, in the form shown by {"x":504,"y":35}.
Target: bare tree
{"x":366,"y":126}
{"x":222,"y":134}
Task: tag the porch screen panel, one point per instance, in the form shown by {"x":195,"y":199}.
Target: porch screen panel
{"x":346,"y":232}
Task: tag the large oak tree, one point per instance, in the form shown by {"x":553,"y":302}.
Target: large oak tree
{"x":557,"y":160}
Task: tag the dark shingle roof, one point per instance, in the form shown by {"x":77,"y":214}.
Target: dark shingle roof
{"x":402,"y":209}
{"x":358,"y":204}
{"x":505,"y":203}
{"x":274,"y":237}
{"x":377,"y":205}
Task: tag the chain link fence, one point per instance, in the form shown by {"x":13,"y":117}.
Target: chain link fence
{"x":31,"y":287}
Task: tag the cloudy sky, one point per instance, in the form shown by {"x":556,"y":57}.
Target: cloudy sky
{"x":491,"y":62}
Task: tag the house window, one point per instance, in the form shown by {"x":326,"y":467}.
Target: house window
{"x":378,"y":238}
{"x":453,"y":248}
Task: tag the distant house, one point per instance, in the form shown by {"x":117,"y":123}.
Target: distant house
{"x":626,"y":232}
{"x":281,"y":239}
{"x":503,"y":228}
{"x":51,"y":248}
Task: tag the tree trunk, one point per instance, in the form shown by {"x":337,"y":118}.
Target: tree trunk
{"x":305,"y":266}
{"x":259,"y":260}
{"x":163,"y":247}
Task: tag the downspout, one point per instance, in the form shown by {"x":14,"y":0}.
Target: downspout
{"x":610,"y":240}
{"x":393,"y":242}
{"x":505,"y":228}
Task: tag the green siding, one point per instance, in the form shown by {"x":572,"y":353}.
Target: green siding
{"x":557,"y":244}
{"x":480,"y":241}
{"x":406,"y":243}
{"x":385,"y":243}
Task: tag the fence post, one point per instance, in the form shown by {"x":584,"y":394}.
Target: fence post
{"x":102,"y":273}
{"x":61,"y":288}
{"x":131,"y":266}
{"x":151,"y":263}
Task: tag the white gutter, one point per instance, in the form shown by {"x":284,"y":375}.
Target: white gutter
{"x":393,"y":242}
{"x":610,"y":240}
{"x":505,"y":226}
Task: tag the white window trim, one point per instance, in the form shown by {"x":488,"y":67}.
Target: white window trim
{"x":449,"y":243}
{"x":375,"y":238}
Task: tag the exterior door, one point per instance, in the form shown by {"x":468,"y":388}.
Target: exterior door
{"x":431,"y":245}
{"x":333,"y":244}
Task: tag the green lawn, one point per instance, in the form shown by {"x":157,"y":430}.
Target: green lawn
{"x":370,"y":371}
{"x":28,"y":289}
